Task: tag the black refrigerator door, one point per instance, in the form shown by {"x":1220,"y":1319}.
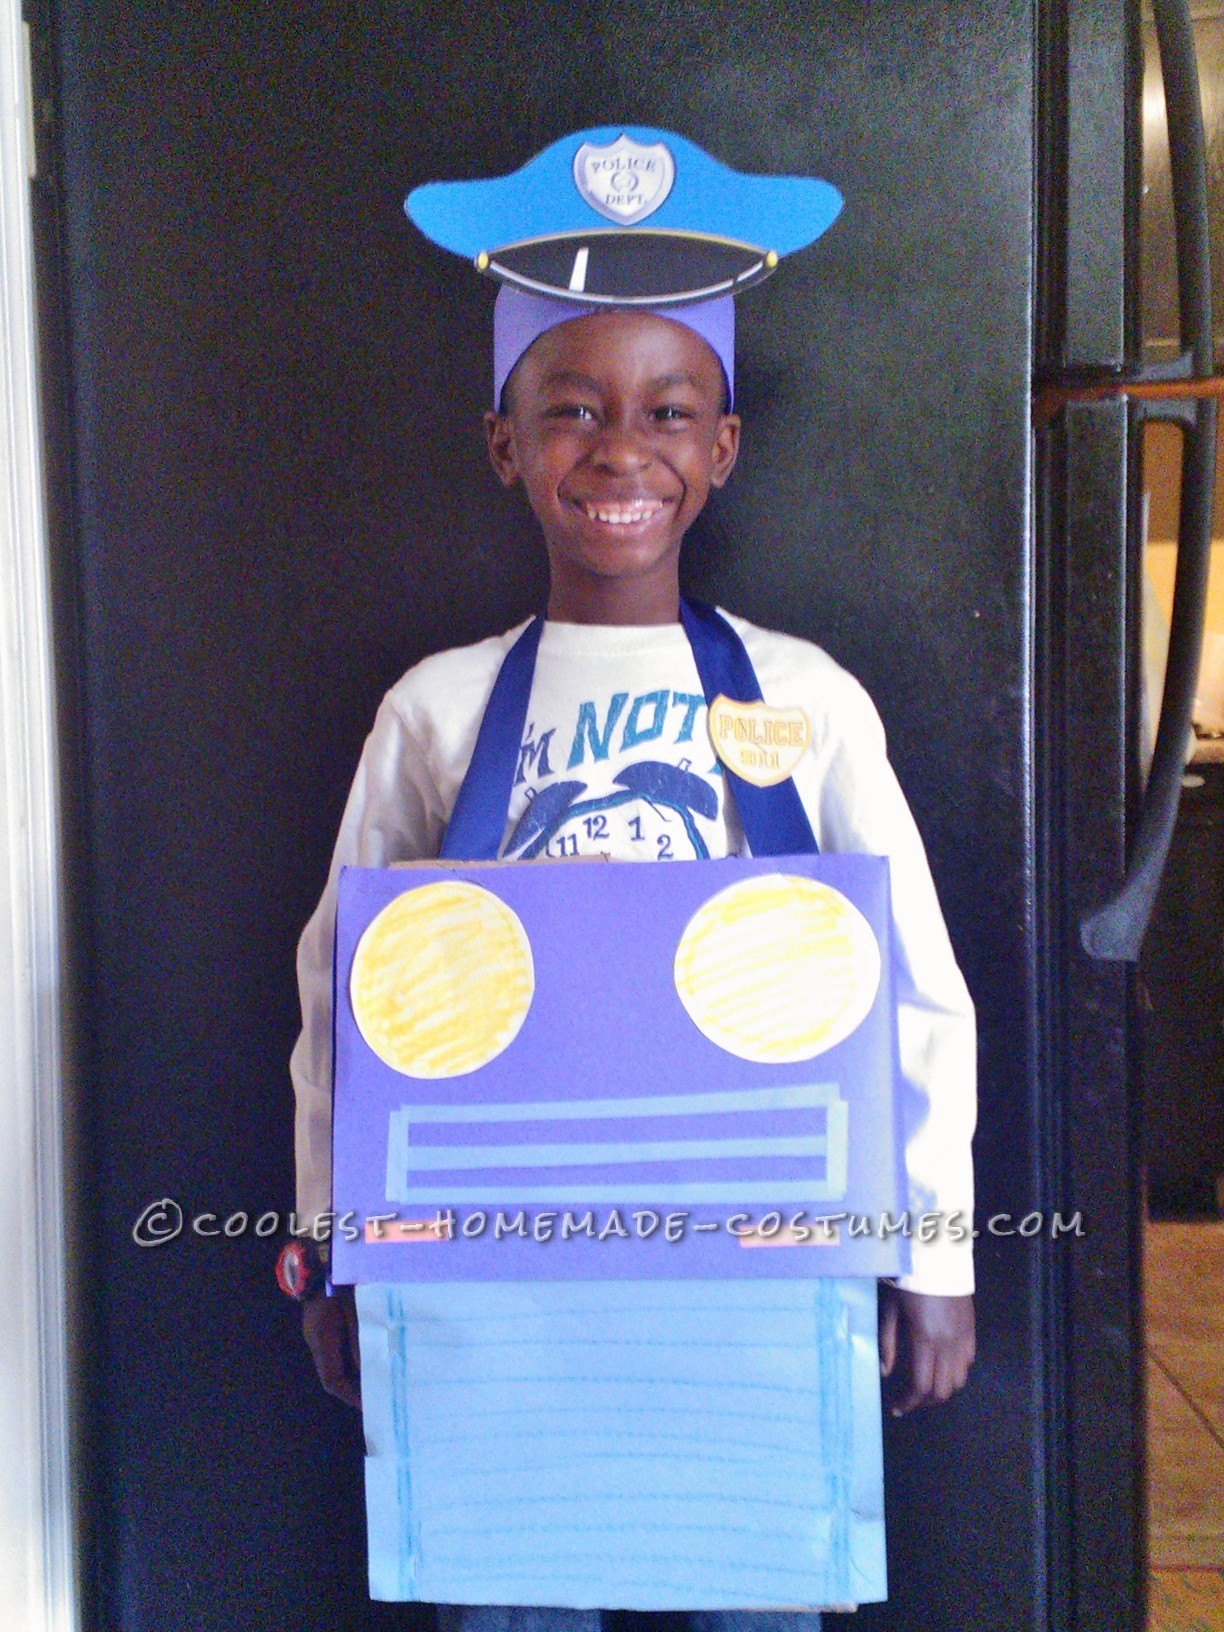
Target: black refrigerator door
{"x":1085,"y":717}
{"x":278,"y":500}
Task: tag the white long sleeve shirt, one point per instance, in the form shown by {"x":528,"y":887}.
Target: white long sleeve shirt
{"x":606,"y":697}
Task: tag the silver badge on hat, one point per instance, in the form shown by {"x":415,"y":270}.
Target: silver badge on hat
{"x":625,"y":181}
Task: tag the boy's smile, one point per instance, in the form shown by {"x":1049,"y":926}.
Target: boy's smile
{"x":614,"y":424}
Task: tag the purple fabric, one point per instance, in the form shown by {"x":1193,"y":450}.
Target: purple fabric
{"x":520,"y":318}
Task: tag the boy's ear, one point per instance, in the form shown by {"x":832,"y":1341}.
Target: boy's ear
{"x":726,"y":449}
{"x":503,"y":455}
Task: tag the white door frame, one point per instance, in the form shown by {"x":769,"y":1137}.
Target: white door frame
{"x":38,"y":1576}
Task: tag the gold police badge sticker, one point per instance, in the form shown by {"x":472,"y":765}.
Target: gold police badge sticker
{"x":759,"y":743}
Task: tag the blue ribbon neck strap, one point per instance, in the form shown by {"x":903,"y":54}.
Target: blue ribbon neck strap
{"x":774,"y":820}
{"x":474,"y":832}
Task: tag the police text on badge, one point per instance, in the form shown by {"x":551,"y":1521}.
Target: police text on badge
{"x":625,"y":181}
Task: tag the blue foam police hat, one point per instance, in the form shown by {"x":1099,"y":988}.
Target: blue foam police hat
{"x":626,"y":216}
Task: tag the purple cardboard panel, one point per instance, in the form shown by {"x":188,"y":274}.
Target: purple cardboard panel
{"x":588,"y":1071}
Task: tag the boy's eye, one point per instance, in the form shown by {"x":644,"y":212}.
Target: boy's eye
{"x":670,"y":412}
{"x":570,"y":410}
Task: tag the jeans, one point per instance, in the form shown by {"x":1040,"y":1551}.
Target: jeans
{"x":503,"y":1618}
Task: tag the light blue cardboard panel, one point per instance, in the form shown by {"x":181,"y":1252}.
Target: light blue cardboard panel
{"x":664,"y":1445}
{"x":617,"y":1091}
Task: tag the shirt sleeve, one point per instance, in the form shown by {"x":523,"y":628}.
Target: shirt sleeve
{"x":859,"y":806}
{"x":393,"y":814}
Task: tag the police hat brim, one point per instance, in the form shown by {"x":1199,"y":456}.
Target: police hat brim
{"x":621,"y":267}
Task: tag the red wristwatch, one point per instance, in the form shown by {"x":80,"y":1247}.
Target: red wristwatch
{"x":301,"y":1273}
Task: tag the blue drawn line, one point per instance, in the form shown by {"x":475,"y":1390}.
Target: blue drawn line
{"x":527,"y":1377}
{"x":716,"y":1415}
{"x":837,"y":1128}
{"x":576,"y":1445}
{"x":564,"y":1110}
{"x":681,"y":1493}
{"x":682,"y":1345}
{"x":645,"y":1190}
{"x":465,"y":1158}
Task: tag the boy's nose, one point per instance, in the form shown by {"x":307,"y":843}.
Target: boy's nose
{"x":621,"y":448}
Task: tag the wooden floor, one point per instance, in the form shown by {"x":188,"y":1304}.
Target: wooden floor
{"x":1184,"y":1274}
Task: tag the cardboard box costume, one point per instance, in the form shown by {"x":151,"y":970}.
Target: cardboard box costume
{"x":466,"y":1093}
{"x":531,"y":1440}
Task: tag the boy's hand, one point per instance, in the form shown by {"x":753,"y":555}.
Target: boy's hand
{"x":329,"y":1325}
{"x":932,"y":1337}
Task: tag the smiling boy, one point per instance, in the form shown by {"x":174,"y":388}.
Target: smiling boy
{"x":616,"y":427}
{"x":617,"y":424}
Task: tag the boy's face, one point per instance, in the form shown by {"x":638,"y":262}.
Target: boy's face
{"x":615,"y":427}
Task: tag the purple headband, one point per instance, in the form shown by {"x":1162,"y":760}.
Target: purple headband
{"x":519,"y":319}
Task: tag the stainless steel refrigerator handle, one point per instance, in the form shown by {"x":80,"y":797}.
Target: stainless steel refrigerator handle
{"x":1115,"y":931}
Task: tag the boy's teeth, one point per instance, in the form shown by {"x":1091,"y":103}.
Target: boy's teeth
{"x":621,"y":513}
